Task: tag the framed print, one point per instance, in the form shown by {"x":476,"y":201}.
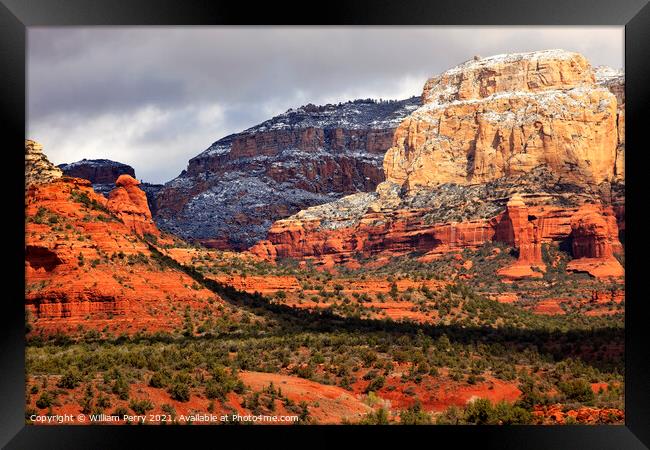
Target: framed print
{"x":387,"y":219}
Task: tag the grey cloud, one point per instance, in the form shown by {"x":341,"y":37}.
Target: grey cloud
{"x":102,"y":94}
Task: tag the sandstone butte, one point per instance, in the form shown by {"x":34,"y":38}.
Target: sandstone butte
{"x":507,"y":114}
{"x":85,"y":263}
{"x":527,"y":143}
{"x":594,"y":243}
{"x":97,"y":171}
{"x":129,"y":203}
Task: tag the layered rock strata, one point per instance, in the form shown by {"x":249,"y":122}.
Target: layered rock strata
{"x":504,"y":149}
{"x":505,"y":115}
{"x":526,"y":235}
{"x":614,"y":81}
{"x":231,"y":193}
{"x":594,"y":243}
{"x":86,"y":267}
{"x":38,"y":169}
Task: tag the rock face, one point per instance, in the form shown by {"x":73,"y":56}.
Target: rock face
{"x":505,"y":115}
{"x":38,"y":169}
{"x":341,"y":235}
{"x":614,"y":80}
{"x":357,"y":226}
{"x":516,"y":72}
{"x":85,"y":267}
{"x":102,"y":173}
{"x":554,"y":415}
{"x":232,"y":192}
{"x":151,"y":191}
{"x":525,"y":234}
{"x":594,"y":233}
{"x":129,"y":203}
{"x":504,"y":149}
{"x":594,"y":242}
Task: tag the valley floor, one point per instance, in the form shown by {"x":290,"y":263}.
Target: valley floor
{"x":399,"y":342}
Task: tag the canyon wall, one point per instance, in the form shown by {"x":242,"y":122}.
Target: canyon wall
{"x":230,"y":194}
{"x":505,"y":115}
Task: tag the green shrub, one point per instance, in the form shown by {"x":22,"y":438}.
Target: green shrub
{"x":482,"y":412}
{"x":140,"y":406}
{"x":169,"y":410}
{"x":451,"y":416}
{"x":121,"y":388}
{"x":180,"y":392}
{"x":103,"y":402}
{"x":215,"y":390}
{"x":578,"y":390}
{"x":376,"y":384}
{"x":507,"y":414}
{"x":120,"y":411}
{"x":45,"y":400}
{"x":69,"y":380}
{"x":415,"y":416}
{"x":158,"y":380}
{"x":379,"y":417}
{"x":87,"y":402}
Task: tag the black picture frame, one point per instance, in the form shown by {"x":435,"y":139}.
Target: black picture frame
{"x":17,"y":15}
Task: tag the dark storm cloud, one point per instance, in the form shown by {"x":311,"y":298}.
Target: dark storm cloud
{"x":103,"y":94}
{"x":155,"y":97}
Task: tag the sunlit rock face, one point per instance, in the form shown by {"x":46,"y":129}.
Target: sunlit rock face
{"x":505,"y":115}
{"x":86,"y":263}
{"x":38,"y":169}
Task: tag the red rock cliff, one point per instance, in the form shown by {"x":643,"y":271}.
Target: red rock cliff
{"x":536,"y":123}
{"x":129,"y":203}
{"x":86,"y":268}
{"x":230,"y":194}
{"x":526,"y":237}
{"x":507,"y":114}
{"x":594,"y":236}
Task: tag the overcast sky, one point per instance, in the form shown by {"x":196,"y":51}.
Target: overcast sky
{"x":154,"y":97}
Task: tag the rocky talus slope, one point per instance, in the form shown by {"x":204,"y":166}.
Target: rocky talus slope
{"x":87,"y":265}
{"x":506,"y":148}
{"x":231,"y":193}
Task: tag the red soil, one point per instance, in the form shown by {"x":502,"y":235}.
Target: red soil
{"x":335,"y":404}
{"x":437,"y":394}
{"x":507,"y":298}
{"x":549,"y":306}
{"x":266,"y":284}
